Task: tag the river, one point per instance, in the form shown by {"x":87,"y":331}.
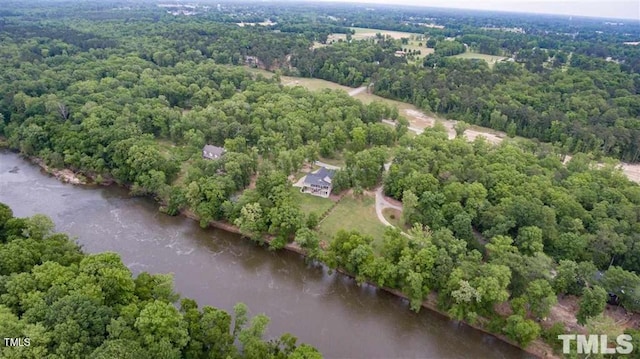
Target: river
{"x":328,"y":311}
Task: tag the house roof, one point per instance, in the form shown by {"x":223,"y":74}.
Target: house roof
{"x":321,"y":177}
{"x":214,"y":150}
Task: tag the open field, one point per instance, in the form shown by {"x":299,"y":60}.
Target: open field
{"x":363,"y":33}
{"x":490,"y":59}
{"x":415,"y":45}
{"x":353,"y":214}
{"x":366,"y":33}
{"x":632,"y":170}
{"x":308,"y":83}
{"x":394,"y":217}
{"x":420,"y":120}
{"x":309,"y":203}
{"x":313,"y":84}
{"x":338,"y":162}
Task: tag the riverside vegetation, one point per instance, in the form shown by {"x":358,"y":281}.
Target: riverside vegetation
{"x":499,"y":232}
{"x":73,"y":305}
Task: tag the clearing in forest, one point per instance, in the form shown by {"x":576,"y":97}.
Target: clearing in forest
{"x":365,"y":33}
{"x":417,"y":42}
{"x":309,"y":203}
{"x":394,"y":216}
{"x":312,"y":84}
{"x":419,"y":120}
{"x":353,"y":213}
{"x":490,"y":59}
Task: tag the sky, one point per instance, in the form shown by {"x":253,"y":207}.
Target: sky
{"x":621,"y":9}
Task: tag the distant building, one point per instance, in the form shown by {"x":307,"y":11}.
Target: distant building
{"x":400,"y":53}
{"x":210,"y":152}
{"x":318,"y":183}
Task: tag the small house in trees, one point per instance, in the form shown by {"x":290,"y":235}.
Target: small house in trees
{"x":318,"y":183}
{"x":210,"y":152}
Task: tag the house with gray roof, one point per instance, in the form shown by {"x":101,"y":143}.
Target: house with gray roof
{"x":210,"y":152}
{"x":318,"y":183}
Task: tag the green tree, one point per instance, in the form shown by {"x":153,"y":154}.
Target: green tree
{"x":541,"y":297}
{"x":592,"y":303}
{"x":161,"y":327}
{"x":522,"y":331}
{"x":460,"y":127}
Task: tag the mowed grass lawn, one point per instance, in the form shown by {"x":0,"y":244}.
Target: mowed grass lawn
{"x":309,"y":203}
{"x":363,"y":33}
{"x":490,"y":59}
{"x":415,"y":45}
{"x":353,"y":213}
{"x":312,"y":84}
{"x":394,"y":217}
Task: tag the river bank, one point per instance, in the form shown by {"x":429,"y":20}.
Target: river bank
{"x":537,"y":348}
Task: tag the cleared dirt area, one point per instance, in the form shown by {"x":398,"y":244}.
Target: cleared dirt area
{"x":632,"y":171}
{"x":567,"y":307}
{"x":420,"y":120}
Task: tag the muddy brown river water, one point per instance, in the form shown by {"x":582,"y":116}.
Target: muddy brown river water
{"x":329,"y":311}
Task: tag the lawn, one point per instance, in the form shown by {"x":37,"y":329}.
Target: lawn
{"x":338,"y":162}
{"x":353,"y":214}
{"x":309,"y":203}
{"x":415,"y":45}
{"x":312,"y":84}
{"x":363,"y":33}
{"x":366,"y":33}
{"x":490,"y":59}
{"x":394,"y":217}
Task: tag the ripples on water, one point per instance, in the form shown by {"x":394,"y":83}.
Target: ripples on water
{"x":329,"y":311}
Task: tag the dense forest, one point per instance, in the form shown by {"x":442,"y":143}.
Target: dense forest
{"x":74,"y":305}
{"x":579,"y":102}
{"x":132,"y":95}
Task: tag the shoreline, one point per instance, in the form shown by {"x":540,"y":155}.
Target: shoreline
{"x":537,"y":348}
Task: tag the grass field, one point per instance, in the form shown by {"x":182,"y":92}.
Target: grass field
{"x":363,"y":33}
{"x":257,"y":71}
{"x":490,"y":59}
{"x":338,"y":162}
{"x":353,"y":214}
{"x":309,"y":203}
{"x":415,"y":45}
{"x":367,"y":33}
{"x":312,"y":84}
{"x":394,"y":217}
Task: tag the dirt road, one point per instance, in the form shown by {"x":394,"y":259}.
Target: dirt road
{"x":358,"y":91}
{"x":381,"y":204}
